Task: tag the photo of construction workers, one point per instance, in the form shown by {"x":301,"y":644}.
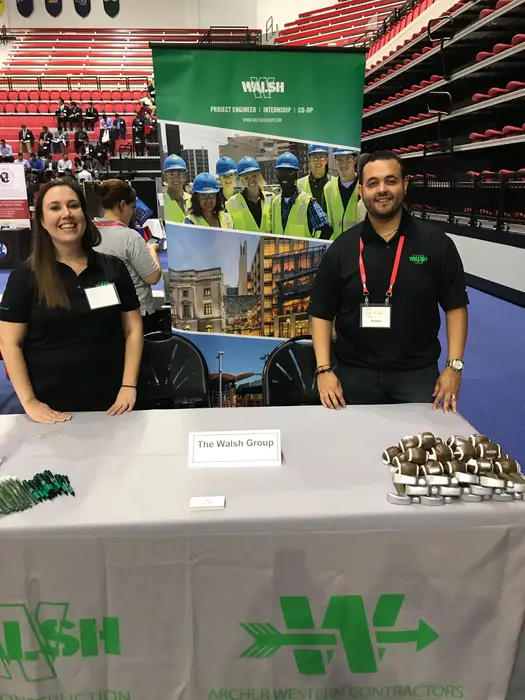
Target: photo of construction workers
{"x":228,"y":281}
{"x":260,"y":184}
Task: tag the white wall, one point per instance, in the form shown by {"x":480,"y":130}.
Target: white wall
{"x":167,"y":14}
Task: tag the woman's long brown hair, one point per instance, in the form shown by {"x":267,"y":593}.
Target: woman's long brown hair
{"x":43,"y":256}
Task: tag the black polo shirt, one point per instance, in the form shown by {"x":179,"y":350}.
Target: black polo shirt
{"x":430,"y":275}
{"x":75,"y":357}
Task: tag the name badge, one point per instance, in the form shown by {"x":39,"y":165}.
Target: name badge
{"x":375,"y":315}
{"x":100,"y":297}
{"x":235,"y":448}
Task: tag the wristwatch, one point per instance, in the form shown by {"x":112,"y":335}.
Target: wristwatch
{"x":456,"y":365}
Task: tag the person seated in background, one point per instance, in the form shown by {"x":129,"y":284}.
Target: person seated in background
{"x":90,"y":116}
{"x":119,"y":124}
{"x":60,"y":139}
{"x":154,"y":129}
{"x":80,"y":137}
{"x":44,"y":149}
{"x":65,"y":165}
{"x":64,"y":347}
{"x":33,"y":186}
{"x":6,"y":152}
{"x":101,"y":154}
{"x":36,"y":164}
{"x":151,"y":89}
{"x":26,"y":138}
{"x":62,"y":114}
{"x":45,"y":134}
{"x":207,"y":204}
{"x":83,"y":174}
{"x":105,"y":122}
{"x":87,"y":150}
{"x":22,"y":161}
{"x":75,"y":116}
{"x":117,"y":199}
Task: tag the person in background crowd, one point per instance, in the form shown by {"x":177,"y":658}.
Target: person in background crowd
{"x":87,"y":150}
{"x":75,"y":116}
{"x":77,"y":164}
{"x":6,"y":151}
{"x":93,"y":166}
{"x":101,"y":154}
{"x":251,"y":208}
{"x":65,"y":165}
{"x":105,"y":122}
{"x":64,"y":353}
{"x":207,"y":204}
{"x":120,"y":125}
{"x":80,"y":137}
{"x":154,"y":129}
{"x":62,"y":114}
{"x":26,"y":138}
{"x":314,"y":182}
{"x":44,"y":150}
{"x":361,"y":209}
{"x":151,"y":89}
{"x":138,"y":133}
{"x":176,"y":200}
{"x":36,"y":164}
{"x":138,"y":119}
{"x":84,"y":175}
{"x":59,"y":141}
{"x":33,"y":186}
{"x":226,"y":169}
{"x":45,"y":134}
{"x":22,"y":161}
{"x":139,"y":143}
{"x":382,"y":356}
{"x":341,"y":193}
{"x":90,"y":116}
{"x":295,"y":212}
{"x":117,"y":199}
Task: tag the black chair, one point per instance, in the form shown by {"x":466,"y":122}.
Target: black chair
{"x":289,"y":374}
{"x":174,"y":374}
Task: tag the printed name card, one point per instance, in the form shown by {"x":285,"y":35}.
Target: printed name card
{"x":236,"y":448}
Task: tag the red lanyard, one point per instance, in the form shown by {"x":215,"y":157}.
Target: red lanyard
{"x":108,"y":222}
{"x":393,"y":276}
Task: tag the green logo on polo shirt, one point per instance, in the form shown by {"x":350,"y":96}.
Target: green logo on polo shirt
{"x":102,"y":284}
{"x":418,"y":259}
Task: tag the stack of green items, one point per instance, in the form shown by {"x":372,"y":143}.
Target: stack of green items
{"x":17,"y":495}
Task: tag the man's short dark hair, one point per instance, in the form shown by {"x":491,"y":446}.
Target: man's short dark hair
{"x":378,"y":155}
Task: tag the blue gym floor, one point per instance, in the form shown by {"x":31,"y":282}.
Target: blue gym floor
{"x":493,"y":379}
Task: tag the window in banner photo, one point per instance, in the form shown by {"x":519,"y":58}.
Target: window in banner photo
{"x":209,"y":328}
{"x":186,"y":311}
{"x":207,"y":310}
{"x":185,"y":293}
{"x":207,"y":292}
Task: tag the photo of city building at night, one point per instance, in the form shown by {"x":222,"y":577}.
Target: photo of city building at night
{"x":238,"y":283}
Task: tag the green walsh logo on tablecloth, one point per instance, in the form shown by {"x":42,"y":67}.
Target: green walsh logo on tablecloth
{"x":345,"y":624}
{"x":32,"y":641}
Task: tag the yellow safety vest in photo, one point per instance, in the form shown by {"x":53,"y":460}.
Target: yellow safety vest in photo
{"x":225,"y":220}
{"x":172,"y":209}
{"x":340,"y":219}
{"x":297,"y":224}
{"x":243,"y":218}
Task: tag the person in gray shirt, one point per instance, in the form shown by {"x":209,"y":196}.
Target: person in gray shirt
{"x":117,"y":199}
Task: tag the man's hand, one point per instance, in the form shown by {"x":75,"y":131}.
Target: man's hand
{"x":330,"y":390}
{"x":447,"y":389}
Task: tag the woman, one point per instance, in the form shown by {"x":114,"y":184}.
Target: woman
{"x":70,"y":327}
{"x":207,"y":204}
{"x":251,"y":209}
{"x":117,"y":199}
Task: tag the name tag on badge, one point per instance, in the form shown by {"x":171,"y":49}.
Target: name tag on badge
{"x":375,"y":315}
{"x":101,"y":297}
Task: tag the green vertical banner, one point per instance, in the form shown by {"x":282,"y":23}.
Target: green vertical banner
{"x":258,"y":142}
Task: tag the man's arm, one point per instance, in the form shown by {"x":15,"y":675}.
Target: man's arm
{"x":448,"y":384}
{"x":318,"y":221}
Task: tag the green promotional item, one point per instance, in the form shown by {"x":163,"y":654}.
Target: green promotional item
{"x":112,"y":7}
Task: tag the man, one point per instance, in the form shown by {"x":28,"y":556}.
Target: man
{"x":75,"y":116}
{"x":45,"y":134}
{"x":87,"y":150}
{"x":101,"y":154}
{"x":36,"y":164}
{"x":80,"y":137}
{"x":26,"y":138}
{"x":90,"y":116}
{"x":318,"y":177}
{"x":341,"y":193}
{"x":65,"y":166}
{"x":119,"y":125}
{"x":296,"y":213}
{"x":59,"y":140}
{"x":44,"y":150}
{"x":22,"y":161}
{"x":84,"y":175}
{"x":105,"y":122}
{"x":176,"y":201}
{"x":6,"y":152}
{"x":383,"y":281}
{"x":62,"y":114}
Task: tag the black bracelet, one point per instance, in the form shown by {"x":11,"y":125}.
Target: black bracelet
{"x":128,"y":386}
{"x":322,"y":370}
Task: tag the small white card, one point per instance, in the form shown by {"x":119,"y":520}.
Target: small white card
{"x":100,"y":297}
{"x":375,"y":315}
{"x":207,"y":502}
{"x":235,"y":448}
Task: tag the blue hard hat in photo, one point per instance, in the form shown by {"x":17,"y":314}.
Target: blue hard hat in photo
{"x":247,"y":165}
{"x":287,"y":160}
{"x":317,"y":148}
{"x":174,"y":162}
{"x":206,"y":183}
{"x":225,"y":166}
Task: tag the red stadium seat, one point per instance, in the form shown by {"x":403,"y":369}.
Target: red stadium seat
{"x":3,"y":95}
{"x":518,"y":39}
{"x":54,"y":95}
{"x":95,"y":94}
{"x":85,"y":95}
{"x":479,"y":97}
{"x":474,"y":136}
{"x":502,"y":3}
{"x":34,"y":95}
{"x":32,"y":108}
{"x":512,"y":130}
{"x":130,"y":107}
{"x":115,"y":95}
{"x":137,"y":94}
{"x":64,"y":94}
{"x":499,"y":48}
{"x":496,"y":91}
{"x":75,"y":95}
{"x":515,"y":85}
{"x":493,"y":134}
{"x":105,"y":95}
{"x":485,"y":13}
{"x":126,"y":95}
{"x":483,"y":55}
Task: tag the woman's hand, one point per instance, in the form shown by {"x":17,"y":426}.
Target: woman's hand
{"x":124,"y":402}
{"x":330,"y":390}
{"x":42,"y":413}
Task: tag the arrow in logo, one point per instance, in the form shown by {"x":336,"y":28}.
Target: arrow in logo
{"x":268,"y":639}
{"x":423,"y":636}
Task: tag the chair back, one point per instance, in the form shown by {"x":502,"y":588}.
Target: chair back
{"x":174,"y":373}
{"x":289,"y":374}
